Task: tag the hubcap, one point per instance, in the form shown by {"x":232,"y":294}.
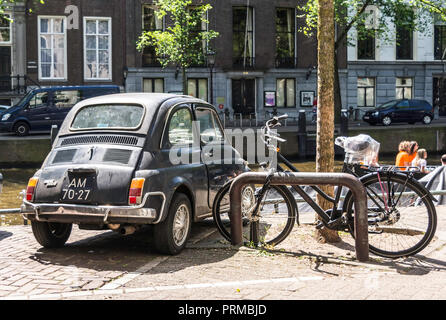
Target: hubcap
{"x":181,"y":225}
{"x":427,"y":119}
{"x":387,"y":121}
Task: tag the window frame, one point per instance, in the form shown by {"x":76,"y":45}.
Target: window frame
{"x":403,"y":43}
{"x":9,"y":28}
{"x":285,"y":93}
{"x":251,"y":58}
{"x":441,"y":36}
{"x":215,"y":121}
{"x":404,"y":87}
{"x":165,"y":142}
{"x":197,"y":86}
{"x":153,"y":84}
{"x":110,"y":49}
{"x":39,"y":47}
{"x":365,"y":93}
{"x":294,"y":33}
{"x":163,"y":28}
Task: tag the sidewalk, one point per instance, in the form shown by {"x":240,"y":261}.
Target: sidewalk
{"x":104,"y":265}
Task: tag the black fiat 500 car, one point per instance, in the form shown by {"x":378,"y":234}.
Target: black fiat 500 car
{"x":406,"y":110}
{"x":127,"y":160}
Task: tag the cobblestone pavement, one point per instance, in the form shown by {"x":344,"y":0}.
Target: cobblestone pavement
{"x":105,"y":265}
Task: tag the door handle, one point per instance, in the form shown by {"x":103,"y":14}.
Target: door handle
{"x":47,"y":118}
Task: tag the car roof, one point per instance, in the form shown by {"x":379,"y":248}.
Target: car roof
{"x":156,"y":104}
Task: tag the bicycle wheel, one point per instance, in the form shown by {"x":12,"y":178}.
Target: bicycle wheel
{"x":402,"y":217}
{"x":276,"y":214}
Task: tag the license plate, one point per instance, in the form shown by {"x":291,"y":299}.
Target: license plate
{"x":366,"y":117}
{"x":79,"y":188}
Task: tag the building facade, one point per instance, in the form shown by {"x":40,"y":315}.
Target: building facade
{"x":77,"y":42}
{"x":412,"y":67}
{"x":12,"y":52}
{"x":262,"y":63}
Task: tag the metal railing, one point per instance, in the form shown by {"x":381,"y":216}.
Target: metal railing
{"x":17,"y":84}
{"x":302,"y":178}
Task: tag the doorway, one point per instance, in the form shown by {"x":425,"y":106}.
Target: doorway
{"x":5,"y":69}
{"x":439,"y":94}
{"x":244,"y":96}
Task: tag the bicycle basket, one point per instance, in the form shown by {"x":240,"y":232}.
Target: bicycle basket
{"x":360,"y":149}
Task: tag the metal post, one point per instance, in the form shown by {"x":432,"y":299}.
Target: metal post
{"x":302,"y":135}
{"x":303,"y":178}
{"x":1,"y":182}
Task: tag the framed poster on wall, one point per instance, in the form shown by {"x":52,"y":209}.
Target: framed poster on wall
{"x":270,"y":98}
{"x":306,"y":98}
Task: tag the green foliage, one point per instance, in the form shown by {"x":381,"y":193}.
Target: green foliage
{"x":182,"y":41}
{"x":4,"y":4}
{"x":413,"y":15}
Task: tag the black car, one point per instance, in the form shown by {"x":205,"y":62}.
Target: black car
{"x":41,"y":108}
{"x":127,"y":160}
{"x":404,"y":110}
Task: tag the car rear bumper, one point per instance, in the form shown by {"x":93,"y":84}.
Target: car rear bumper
{"x":81,"y":213}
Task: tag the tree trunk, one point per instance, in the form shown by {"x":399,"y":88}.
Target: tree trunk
{"x":325,"y":110}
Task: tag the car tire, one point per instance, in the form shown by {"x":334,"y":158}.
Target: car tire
{"x":170,"y":236}
{"x":386,"y":121}
{"x":21,"y":129}
{"x":427,"y":119}
{"x":51,"y":235}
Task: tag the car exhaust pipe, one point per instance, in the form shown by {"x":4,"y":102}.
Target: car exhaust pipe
{"x":127,"y":230}
{"x":113,"y":227}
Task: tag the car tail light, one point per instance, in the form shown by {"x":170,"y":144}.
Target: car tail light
{"x":31,"y":188}
{"x":135,"y":192}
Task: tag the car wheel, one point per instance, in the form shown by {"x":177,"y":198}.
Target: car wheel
{"x":387,"y":121}
{"x":171,"y":235}
{"x":21,"y":129}
{"x":51,"y":234}
{"x":427,"y":119}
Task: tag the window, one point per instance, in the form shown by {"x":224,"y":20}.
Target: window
{"x":243,"y":36}
{"x":180,"y":127}
{"x":403,"y":88}
{"x":286,"y":93}
{"x":52,"y":48}
{"x":5,"y":29}
{"x":404,"y":36}
{"x":366,"y":35}
{"x":108,"y":116}
{"x":39,"y":100}
{"x":366,"y":92}
{"x":153,"y":85}
{"x":285,"y":37}
{"x":150,"y":22}
{"x":440,"y":42}
{"x":198,"y":88}
{"x":66,"y":99}
{"x":97,"y":44}
{"x":210,"y":131}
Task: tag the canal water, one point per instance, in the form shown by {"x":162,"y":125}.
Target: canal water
{"x":15,"y":180}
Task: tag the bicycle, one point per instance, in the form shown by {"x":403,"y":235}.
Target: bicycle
{"x":401,"y":214}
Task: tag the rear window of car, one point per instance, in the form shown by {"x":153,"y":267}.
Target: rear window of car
{"x":115,"y":116}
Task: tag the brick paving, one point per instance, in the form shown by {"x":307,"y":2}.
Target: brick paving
{"x":105,"y":265}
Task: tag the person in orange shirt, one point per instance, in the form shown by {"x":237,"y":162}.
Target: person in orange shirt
{"x":413,"y":148}
{"x":402,"y":158}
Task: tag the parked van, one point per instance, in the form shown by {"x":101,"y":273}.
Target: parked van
{"x":41,"y":108}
